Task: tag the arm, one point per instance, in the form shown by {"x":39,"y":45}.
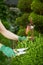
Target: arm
{"x":7,"y":33}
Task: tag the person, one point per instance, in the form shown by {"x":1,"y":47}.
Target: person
{"x":6,"y":33}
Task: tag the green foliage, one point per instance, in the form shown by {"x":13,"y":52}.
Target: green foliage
{"x":21,"y":32}
{"x":37,"y":20}
{"x":37,"y":7}
{"x":39,"y":0}
{"x":3,"y":10}
{"x":5,"y":41}
{"x":7,"y":14}
{"x":23,"y":20}
{"x":24,"y":5}
{"x":36,"y":33}
{"x":6,"y":24}
{"x":34,"y":55}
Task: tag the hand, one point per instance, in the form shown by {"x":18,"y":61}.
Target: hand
{"x":8,"y":51}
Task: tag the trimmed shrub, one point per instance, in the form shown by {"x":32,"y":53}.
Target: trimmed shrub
{"x":21,"y":32}
{"x":25,"y":5}
{"x":37,"y":7}
{"x":23,"y":20}
{"x":34,"y":55}
{"x":37,"y":20}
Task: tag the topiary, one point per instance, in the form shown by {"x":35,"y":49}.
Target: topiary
{"x":23,"y":20}
{"x":37,"y":20}
{"x":37,"y":7}
{"x":21,"y":32}
{"x":34,"y":55}
{"x":25,"y":5}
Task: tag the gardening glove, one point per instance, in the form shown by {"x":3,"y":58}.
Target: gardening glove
{"x":7,"y":51}
{"x":21,"y":38}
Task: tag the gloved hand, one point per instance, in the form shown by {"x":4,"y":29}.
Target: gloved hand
{"x":7,"y":51}
{"x":21,"y":38}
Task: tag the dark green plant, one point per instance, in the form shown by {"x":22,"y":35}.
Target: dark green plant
{"x":37,"y":7}
{"x":3,"y":10}
{"x":25,"y":5}
{"x":37,"y":20}
{"x":21,"y":32}
{"x":34,"y":55}
{"x":23,"y":20}
{"x":6,"y":24}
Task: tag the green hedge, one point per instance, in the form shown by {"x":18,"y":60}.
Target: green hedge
{"x":34,"y":55}
{"x":23,"y":20}
{"x":37,"y":20}
{"x":21,"y":32}
{"x":25,"y":5}
{"x":37,"y":7}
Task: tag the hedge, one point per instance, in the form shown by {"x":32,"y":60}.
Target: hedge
{"x":37,"y":20}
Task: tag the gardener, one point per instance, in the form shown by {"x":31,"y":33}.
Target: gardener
{"x":6,"y":33}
